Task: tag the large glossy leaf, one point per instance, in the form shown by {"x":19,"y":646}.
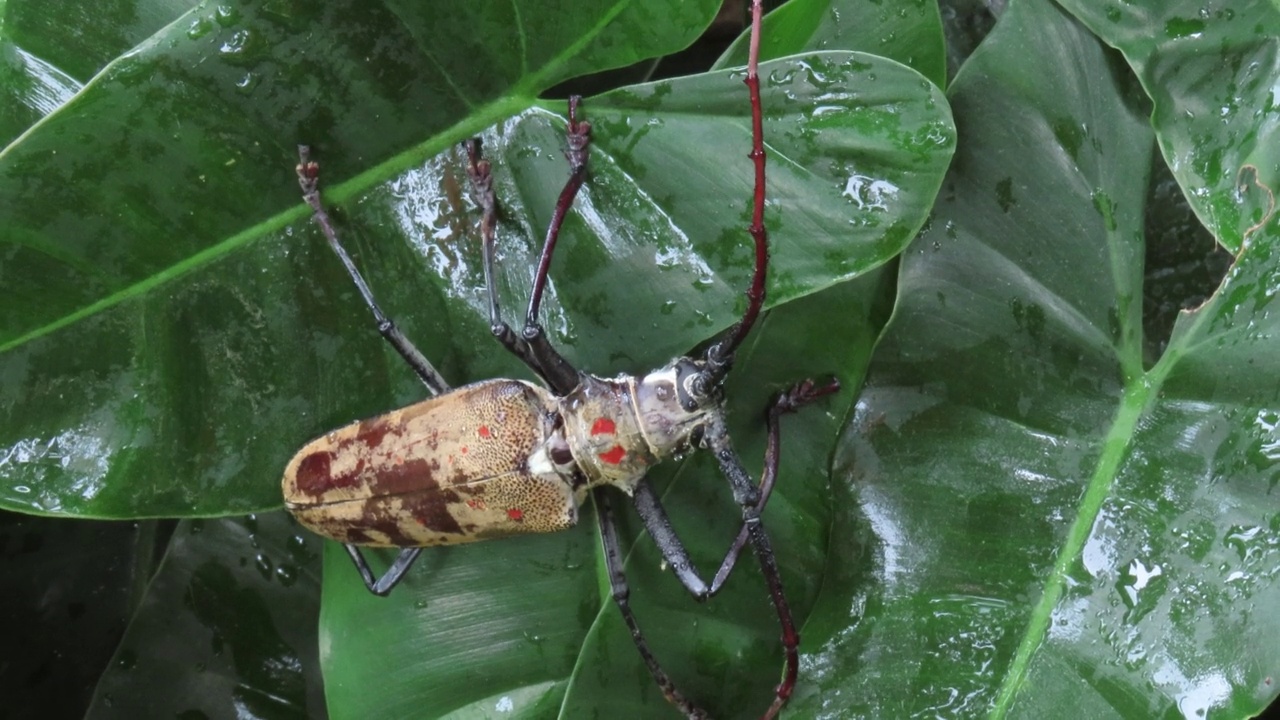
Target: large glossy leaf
{"x":1211,"y":71}
{"x":907,"y":31}
{"x":49,"y":50}
{"x":67,"y":590}
{"x":182,"y":388}
{"x":227,"y":628}
{"x":1038,"y":521}
{"x":239,"y":361}
{"x":146,"y":306}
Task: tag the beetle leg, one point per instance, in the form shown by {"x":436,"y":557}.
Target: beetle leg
{"x":787,"y":401}
{"x":793,"y":398}
{"x":621,"y":596}
{"x":658,"y":524}
{"x":753,"y":499}
{"x":308,"y":180}
{"x":532,"y":346}
{"x":394,"y":574}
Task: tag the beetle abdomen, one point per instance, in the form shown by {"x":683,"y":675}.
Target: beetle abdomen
{"x":451,"y":469}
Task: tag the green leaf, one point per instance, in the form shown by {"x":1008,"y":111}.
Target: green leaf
{"x":49,"y":50}
{"x":907,"y":31}
{"x":1032,"y":519}
{"x":66,"y":593}
{"x":245,"y":356}
{"x":1211,"y":72}
{"x":227,"y":627}
{"x":148,"y":308}
{"x":173,"y":337}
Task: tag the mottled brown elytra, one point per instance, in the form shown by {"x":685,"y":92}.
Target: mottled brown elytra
{"x":505,"y":457}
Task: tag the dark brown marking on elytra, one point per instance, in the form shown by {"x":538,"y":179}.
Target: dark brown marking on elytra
{"x":357,"y":535}
{"x":390,"y":528}
{"x":372,"y":431}
{"x":431,"y":509}
{"x":315,"y":474}
{"x":404,"y":478}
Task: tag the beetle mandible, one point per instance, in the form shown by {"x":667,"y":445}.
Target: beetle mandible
{"x":506,"y":457}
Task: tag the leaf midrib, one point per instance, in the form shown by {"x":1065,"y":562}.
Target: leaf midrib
{"x":1139,"y":392}
{"x":520,"y":97}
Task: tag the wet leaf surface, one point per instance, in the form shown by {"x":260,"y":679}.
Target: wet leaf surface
{"x":1027,"y":514}
{"x":223,"y":334}
{"x":227,"y":627}
{"x":1210,"y":70}
{"x":1047,"y":520}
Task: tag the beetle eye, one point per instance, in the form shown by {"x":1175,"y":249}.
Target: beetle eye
{"x":692,"y":393}
{"x":696,"y":437}
{"x":560,"y":455}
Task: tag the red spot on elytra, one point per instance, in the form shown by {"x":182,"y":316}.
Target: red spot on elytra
{"x":484,"y":432}
{"x":614,"y":455}
{"x":463,"y":449}
{"x":603,"y":426}
{"x":515,"y":514}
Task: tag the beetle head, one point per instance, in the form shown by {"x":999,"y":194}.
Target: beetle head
{"x":675,"y":403}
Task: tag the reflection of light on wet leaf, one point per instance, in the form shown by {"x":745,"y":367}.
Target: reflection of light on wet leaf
{"x":433,"y":209}
{"x":1267,"y":420}
{"x":421,"y":203}
{"x":78,"y":455}
{"x":1196,"y":696}
{"x":868,"y":192}
{"x":46,"y":88}
{"x":1069,"y":619}
{"x":1141,"y":577}
{"x":424,"y":215}
{"x":885,"y":525}
{"x":1099,"y":552}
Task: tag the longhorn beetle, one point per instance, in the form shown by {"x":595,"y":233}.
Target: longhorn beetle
{"x":506,"y":457}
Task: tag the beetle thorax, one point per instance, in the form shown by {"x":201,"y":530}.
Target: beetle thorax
{"x":617,"y":429}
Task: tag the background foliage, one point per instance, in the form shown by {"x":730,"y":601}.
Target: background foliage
{"x":1049,"y":494}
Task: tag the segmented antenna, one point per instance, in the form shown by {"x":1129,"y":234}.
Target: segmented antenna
{"x":720,"y":356}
